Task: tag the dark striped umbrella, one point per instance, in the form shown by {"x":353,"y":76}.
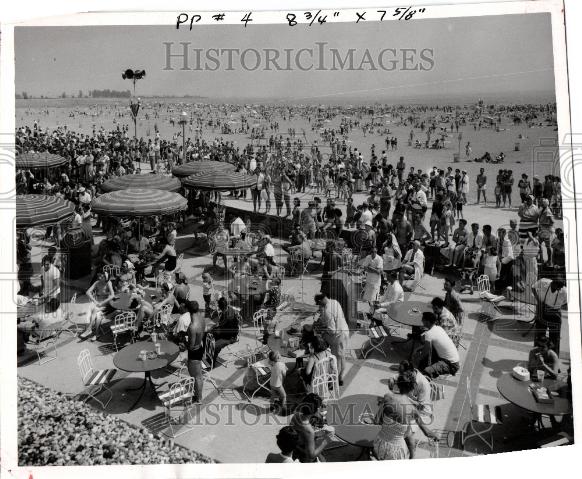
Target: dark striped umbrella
{"x":148,"y":182}
{"x":139,"y":202}
{"x":37,"y":210}
{"x":35,"y":161}
{"x":187,"y":169}
{"x":220,"y":181}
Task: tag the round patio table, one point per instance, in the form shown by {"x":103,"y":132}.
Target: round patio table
{"x":122,"y":301}
{"x":248,"y":285}
{"x":352,"y":418}
{"x":408,"y":312}
{"x":519,"y":393}
{"x":128,"y":360}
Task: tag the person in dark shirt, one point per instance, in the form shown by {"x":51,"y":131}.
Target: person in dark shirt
{"x":227,"y":330}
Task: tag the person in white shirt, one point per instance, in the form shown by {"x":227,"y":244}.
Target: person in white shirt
{"x":413,"y":259}
{"x":84,"y":196}
{"x":444,"y":355}
{"x":366,"y":215}
{"x":506,"y":257}
{"x":50,"y":279}
{"x":474,"y":244}
{"x":551,"y":296}
{"x":392,"y":295}
{"x":373,"y":265}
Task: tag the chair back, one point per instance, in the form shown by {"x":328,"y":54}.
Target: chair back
{"x":125,"y":320}
{"x":111,"y":270}
{"x":259,"y":319}
{"x":483,"y":285}
{"x":180,"y":262}
{"x":437,"y":391}
{"x":165,"y":314}
{"x":85,"y":364}
{"x":179,"y":392}
{"x":74,"y":299}
{"x":325,"y":379}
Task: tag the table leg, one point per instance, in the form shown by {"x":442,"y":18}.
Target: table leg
{"x":147,"y":379}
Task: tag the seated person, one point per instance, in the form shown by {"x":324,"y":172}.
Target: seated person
{"x":299,"y":254}
{"x":295,"y":239}
{"x":261,"y":268}
{"x":38,"y":326}
{"x":228,"y":327}
{"x":221,"y":240}
{"x":139,"y":243}
{"x":272,"y":297}
{"x":287,"y":441}
{"x":445,"y":319}
{"x":144,"y":311}
{"x":444,"y":357}
{"x":317,"y":350}
{"x":181,"y":290}
{"x":543,"y":358}
{"x":392,"y":294}
{"x":100,"y":293}
{"x":420,"y":393}
{"x":412,"y":267}
{"x":168,"y":298}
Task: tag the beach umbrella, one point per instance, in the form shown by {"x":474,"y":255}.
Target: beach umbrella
{"x":219,"y":181}
{"x":44,"y":160}
{"x":148,"y":182}
{"x":37,"y":210}
{"x":139,"y":202}
{"x":187,"y":169}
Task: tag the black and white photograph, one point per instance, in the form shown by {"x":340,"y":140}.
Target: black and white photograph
{"x":296,"y":236}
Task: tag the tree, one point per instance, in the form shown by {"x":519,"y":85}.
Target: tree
{"x":24,"y":95}
{"x":80,"y":93}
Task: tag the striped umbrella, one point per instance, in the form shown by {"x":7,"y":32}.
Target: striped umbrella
{"x":44,"y":160}
{"x":36,"y":210}
{"x":139,"y":202}
{"x":187,"y":169}
{"x":149,"y":182}
{"x":220,"y":181}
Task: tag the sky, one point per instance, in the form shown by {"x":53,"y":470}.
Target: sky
{"x":507,"y":55}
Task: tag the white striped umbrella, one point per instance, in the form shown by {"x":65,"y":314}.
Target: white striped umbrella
{"x":192,"y":167}
{"x":36,"y":210}
{"x":139,"y":202}
{"x":36,"y":161}
{"x":220,"y":181}
{"x":148,"y":182}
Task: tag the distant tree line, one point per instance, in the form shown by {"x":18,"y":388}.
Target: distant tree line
{"x":109,"y":93}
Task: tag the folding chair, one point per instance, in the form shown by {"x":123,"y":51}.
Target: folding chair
{"x":43,"y":344}
{"x":485,"y":414}
{"x":325,"y":379}
{"x":123,"y":323}
{"x":377,"y":336}
{"x":261,"y":373}
{"x":94,"y":380}
{"x":489,"y":301}
{"x":179,"y":399}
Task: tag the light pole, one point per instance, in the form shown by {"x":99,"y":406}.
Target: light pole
{"x":134,"y":76}
{"x":183,"y":120}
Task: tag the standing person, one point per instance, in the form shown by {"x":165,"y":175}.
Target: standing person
{"x":464,"y":186}
{"x":506,"y":258}
{"x":50,"y":280}
{"x":286,"y":188}
{"x":333,"y":327}
{"x":373,"y":265}
{"x":482,"y":185}
{"x":524,"y":187}
{"x":528,"y":215}
{"x":227,"y":329}
{"x":195,"y":347}
{"x":551,"y":297}
{"x":507,"y":187}
{"x":256,"y":191}
{"x":278,"y":373}
{"x":400,"y":168}
{"x":546,"y":227}
{"x":278,"y":193}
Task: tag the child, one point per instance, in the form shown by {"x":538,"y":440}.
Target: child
{"x":498,"y":195}
{"x":460,"y":202}
{"x":278,"y":373}
{"x":207,"y":290}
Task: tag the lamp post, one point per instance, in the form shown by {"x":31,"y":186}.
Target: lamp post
{"x":134,"y":76}
{"x":182,"y":121}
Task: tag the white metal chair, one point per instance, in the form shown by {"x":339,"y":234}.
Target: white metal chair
{"x":259,"y":319}
{"x":179,"y":398}
{"x":489,"y":301}
{"x":111,"y":270}
{"x":94,"y":380}
{"x":123,"y":323}
{"x":485,"y":414}
{"x":44,"y":344}
{"x":324,"y":381}
{"x":179,"y":263}
{"x":377,"y":336}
